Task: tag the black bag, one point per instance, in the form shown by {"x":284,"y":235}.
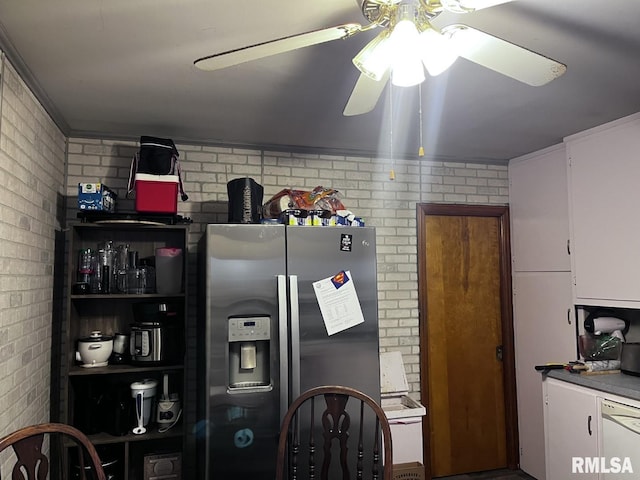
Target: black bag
{"x":157,"y":156}
{"x":245,"y":200}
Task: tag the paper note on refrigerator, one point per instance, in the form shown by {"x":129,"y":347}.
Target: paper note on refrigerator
{"x":338,"y":302}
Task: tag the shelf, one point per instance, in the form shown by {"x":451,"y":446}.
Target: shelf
{"x":125,"y":219}
{"x":126,"y":296}
{"x":120,"y":369}
{"x":152,"y":433}
{"x":90,"y":396}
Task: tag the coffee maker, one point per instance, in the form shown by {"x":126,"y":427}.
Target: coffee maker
{"x":156,"y":336}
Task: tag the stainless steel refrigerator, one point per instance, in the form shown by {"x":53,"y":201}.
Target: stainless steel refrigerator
{"x":265,"y":333}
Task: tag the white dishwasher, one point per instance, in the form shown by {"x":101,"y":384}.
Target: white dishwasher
{"x":620,"y":440}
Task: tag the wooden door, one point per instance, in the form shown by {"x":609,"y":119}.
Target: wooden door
{"x":467,"y":366}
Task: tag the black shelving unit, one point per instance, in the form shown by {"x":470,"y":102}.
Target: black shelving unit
{"x":88,"y":395}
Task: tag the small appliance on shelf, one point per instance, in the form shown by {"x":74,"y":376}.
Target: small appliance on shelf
{"x":156,"y":336}
{"x":603,"y":337}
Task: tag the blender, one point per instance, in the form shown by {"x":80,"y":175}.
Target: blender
{"x":168,"y":411}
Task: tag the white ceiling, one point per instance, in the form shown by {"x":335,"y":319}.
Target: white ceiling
{"x":124,"y":68}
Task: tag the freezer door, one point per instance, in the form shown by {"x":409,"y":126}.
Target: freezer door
{"x":349,"y":357}
{"x":245,"y":296}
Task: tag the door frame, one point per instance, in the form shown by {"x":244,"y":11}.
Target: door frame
{"x":506,"y":311}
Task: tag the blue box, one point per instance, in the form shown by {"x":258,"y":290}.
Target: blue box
{"x":96,"y":196}
{"x":356,"y":222}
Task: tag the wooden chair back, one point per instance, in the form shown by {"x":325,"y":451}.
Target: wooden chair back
{"x":325,"y":435}
{"x":33,"y":464}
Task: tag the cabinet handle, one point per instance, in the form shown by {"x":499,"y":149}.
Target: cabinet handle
{"x":569,"y":247}
{"x":569,"y":316}
{"x":589,"y":426}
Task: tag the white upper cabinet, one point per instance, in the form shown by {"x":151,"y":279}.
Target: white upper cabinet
{"x":538,"y":204}
{"x":604,"y":203}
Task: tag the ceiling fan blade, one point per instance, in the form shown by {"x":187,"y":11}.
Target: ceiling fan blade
{"x":503,"y":57}
{"x":273,"y":47}
{"x":467,"y":6}
{"x":480,"y":4}
{"x":365,"y":95}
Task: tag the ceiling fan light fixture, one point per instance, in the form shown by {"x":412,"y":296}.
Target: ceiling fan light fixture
{"x":438,"y":51}
{"x":375,"y":58}
{"x":407,"y":72}
{"x":406,"y":61}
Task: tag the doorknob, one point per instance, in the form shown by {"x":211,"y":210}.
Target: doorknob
{"x":499,"y":353}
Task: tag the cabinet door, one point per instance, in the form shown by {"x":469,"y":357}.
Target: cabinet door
{"x":571,"y":428}
{"x":538,"y":206}
{"x":544,"y":330}
{"x":604,"y":198}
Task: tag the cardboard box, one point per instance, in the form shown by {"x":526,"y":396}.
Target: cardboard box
{"x":408,"y":471}
{"x":96,"y":196}
{"x":156,"y":193}
{"x":353,"y":222}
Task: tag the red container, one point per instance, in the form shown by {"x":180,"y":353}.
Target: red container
{"x":156,"y":193}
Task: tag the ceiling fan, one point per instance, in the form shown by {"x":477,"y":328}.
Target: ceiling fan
{"x":407,"y":45}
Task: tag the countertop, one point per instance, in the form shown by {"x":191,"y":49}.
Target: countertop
{"x":616,"y":383}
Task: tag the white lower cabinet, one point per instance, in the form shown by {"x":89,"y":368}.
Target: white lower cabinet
{"x":571,"y":429}
{"x":591,"y":434}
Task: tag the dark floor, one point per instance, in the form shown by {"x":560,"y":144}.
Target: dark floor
{"x":492,"y":475}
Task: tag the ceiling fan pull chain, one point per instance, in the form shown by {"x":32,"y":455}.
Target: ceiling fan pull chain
{"x":421,"y":149}
{"x":392,"y":172}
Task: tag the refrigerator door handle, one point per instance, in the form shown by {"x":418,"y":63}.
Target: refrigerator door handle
{"x":295,"y":337}
{"x":283,"y":335}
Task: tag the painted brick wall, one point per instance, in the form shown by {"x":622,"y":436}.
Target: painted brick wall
{"x":32,"y":178}
{"x":364,"y":183}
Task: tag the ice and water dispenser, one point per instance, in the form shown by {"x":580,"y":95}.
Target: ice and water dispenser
{"x":249,"y":346}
